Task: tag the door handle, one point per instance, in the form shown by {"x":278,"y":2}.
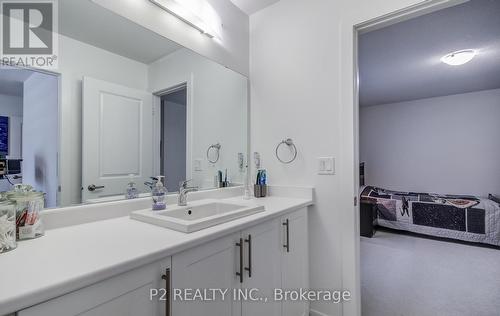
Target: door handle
{"x":249,"y":268}
{"x":240,"y":273}
{"x":287,"y":245}
{"x":94,"y":187}
{"x":166,"y":277}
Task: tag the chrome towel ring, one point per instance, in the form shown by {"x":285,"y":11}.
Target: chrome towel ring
{"x":291,"y":145}
{"x":217,"y":148}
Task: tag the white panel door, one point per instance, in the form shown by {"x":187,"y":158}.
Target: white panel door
{"x":116,"y":138}
{"x":211,"y":266}
{"x":262,"y":268}
{"x":295,"y":260}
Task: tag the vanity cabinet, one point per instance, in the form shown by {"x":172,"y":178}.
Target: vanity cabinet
{"x":295,"y":260}
{"x":127,"y":294}
{"x":210,"y":266}
{"x":252,"y":263}
{"x":272,"y":255}
{"x":262,"y":268}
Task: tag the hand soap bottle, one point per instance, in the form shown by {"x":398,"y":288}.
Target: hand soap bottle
{"x":159,"y":194}
{"x":131,"y":191}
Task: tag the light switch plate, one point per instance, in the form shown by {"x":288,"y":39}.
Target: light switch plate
{"x":326,"y":165}
{"x":197,"y":164}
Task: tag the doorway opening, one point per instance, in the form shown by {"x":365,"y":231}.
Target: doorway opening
{"x":29,"y":131}
{"x":173,"y":135}
{"x":424,"y":199}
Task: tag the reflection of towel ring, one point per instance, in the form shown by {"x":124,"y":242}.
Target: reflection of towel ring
{"x":217,"y":150}
{"x":290,"y":144}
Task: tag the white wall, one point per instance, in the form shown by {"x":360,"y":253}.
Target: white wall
{"x":301,"y":71}
{"x":40,"y":135}
{"x":444,"y":145}
{"x":218,"y":100}
{"x":77,"y":59}
{"x":231,"y":50}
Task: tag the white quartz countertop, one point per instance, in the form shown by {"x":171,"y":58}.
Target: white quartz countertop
{"x":69,"y":258}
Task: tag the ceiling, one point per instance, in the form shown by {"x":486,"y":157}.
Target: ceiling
{"x":252,"y":6}
{"x":90,"y":23}
{"x":12,"y":80}
{"x":401,"y":62}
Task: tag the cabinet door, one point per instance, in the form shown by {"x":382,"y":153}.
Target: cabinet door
{"x":262,"y":268}
{"x":211,"y":266}
{"x":295,"y":260}
{"x":127,"y":294}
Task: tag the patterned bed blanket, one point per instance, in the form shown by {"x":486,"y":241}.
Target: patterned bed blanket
{"x":461,"y":217}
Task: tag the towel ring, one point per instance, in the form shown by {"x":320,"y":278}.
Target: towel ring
{"x":290,"y":144}
{"x":217,"y":150}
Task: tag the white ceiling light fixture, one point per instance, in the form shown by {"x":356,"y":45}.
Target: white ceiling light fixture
{"x":459,"y":58}
{"x":197,"y":13}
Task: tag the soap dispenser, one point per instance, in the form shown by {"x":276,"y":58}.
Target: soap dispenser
{"x":131,"y":191}
{"x":159,"y":194}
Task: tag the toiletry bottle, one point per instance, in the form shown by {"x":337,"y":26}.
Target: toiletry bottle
{"x":131,"y":191}
{"x":159,"y":195}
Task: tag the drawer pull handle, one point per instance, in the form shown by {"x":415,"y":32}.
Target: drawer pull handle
{"x":287,"y":245}
{"x":249,"y":268}
{"x":240,"y":273}
{"x":166,"y":277}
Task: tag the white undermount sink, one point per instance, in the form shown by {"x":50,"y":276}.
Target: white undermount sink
{"x":197,"y":215}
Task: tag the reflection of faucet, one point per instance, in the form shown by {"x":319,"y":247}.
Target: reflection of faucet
{"x":183,"y":191}
{"x":151,"y":184}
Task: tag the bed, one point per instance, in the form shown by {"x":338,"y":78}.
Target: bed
{"x":461,"y":217}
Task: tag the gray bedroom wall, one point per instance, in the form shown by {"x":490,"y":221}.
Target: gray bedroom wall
{"x":445,"y":145}
{"x":174,"y":138}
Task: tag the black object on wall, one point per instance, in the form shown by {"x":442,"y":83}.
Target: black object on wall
{"x":362,"y":173}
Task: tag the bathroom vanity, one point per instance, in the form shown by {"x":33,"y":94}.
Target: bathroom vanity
{"x":126,"y":111}
{"x":110,"y":267}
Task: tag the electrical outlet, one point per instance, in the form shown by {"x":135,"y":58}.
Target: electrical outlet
{"x":326,"y":165}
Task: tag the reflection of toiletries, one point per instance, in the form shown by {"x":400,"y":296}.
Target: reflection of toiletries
{"x":131,"y":191}
{"x":159,"y":195}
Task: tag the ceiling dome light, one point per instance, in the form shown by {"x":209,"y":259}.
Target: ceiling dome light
{"x":459,"y":58}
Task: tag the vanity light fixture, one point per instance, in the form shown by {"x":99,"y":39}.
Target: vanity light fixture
{"x":197,"y":13}
{"x":460,"y":57}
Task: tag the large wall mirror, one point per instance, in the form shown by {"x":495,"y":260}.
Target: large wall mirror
{"x":124,"y":104}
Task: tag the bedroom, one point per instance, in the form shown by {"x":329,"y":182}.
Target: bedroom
{"x":428,"y":128}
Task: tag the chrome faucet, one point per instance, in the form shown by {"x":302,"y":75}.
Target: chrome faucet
{"x":183,"y":191}
{"x":151,"y":184}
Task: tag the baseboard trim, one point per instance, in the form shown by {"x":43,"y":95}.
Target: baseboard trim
{"x":313,"y":312}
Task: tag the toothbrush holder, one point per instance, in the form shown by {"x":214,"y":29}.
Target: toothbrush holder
{"x":260,"y":190}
